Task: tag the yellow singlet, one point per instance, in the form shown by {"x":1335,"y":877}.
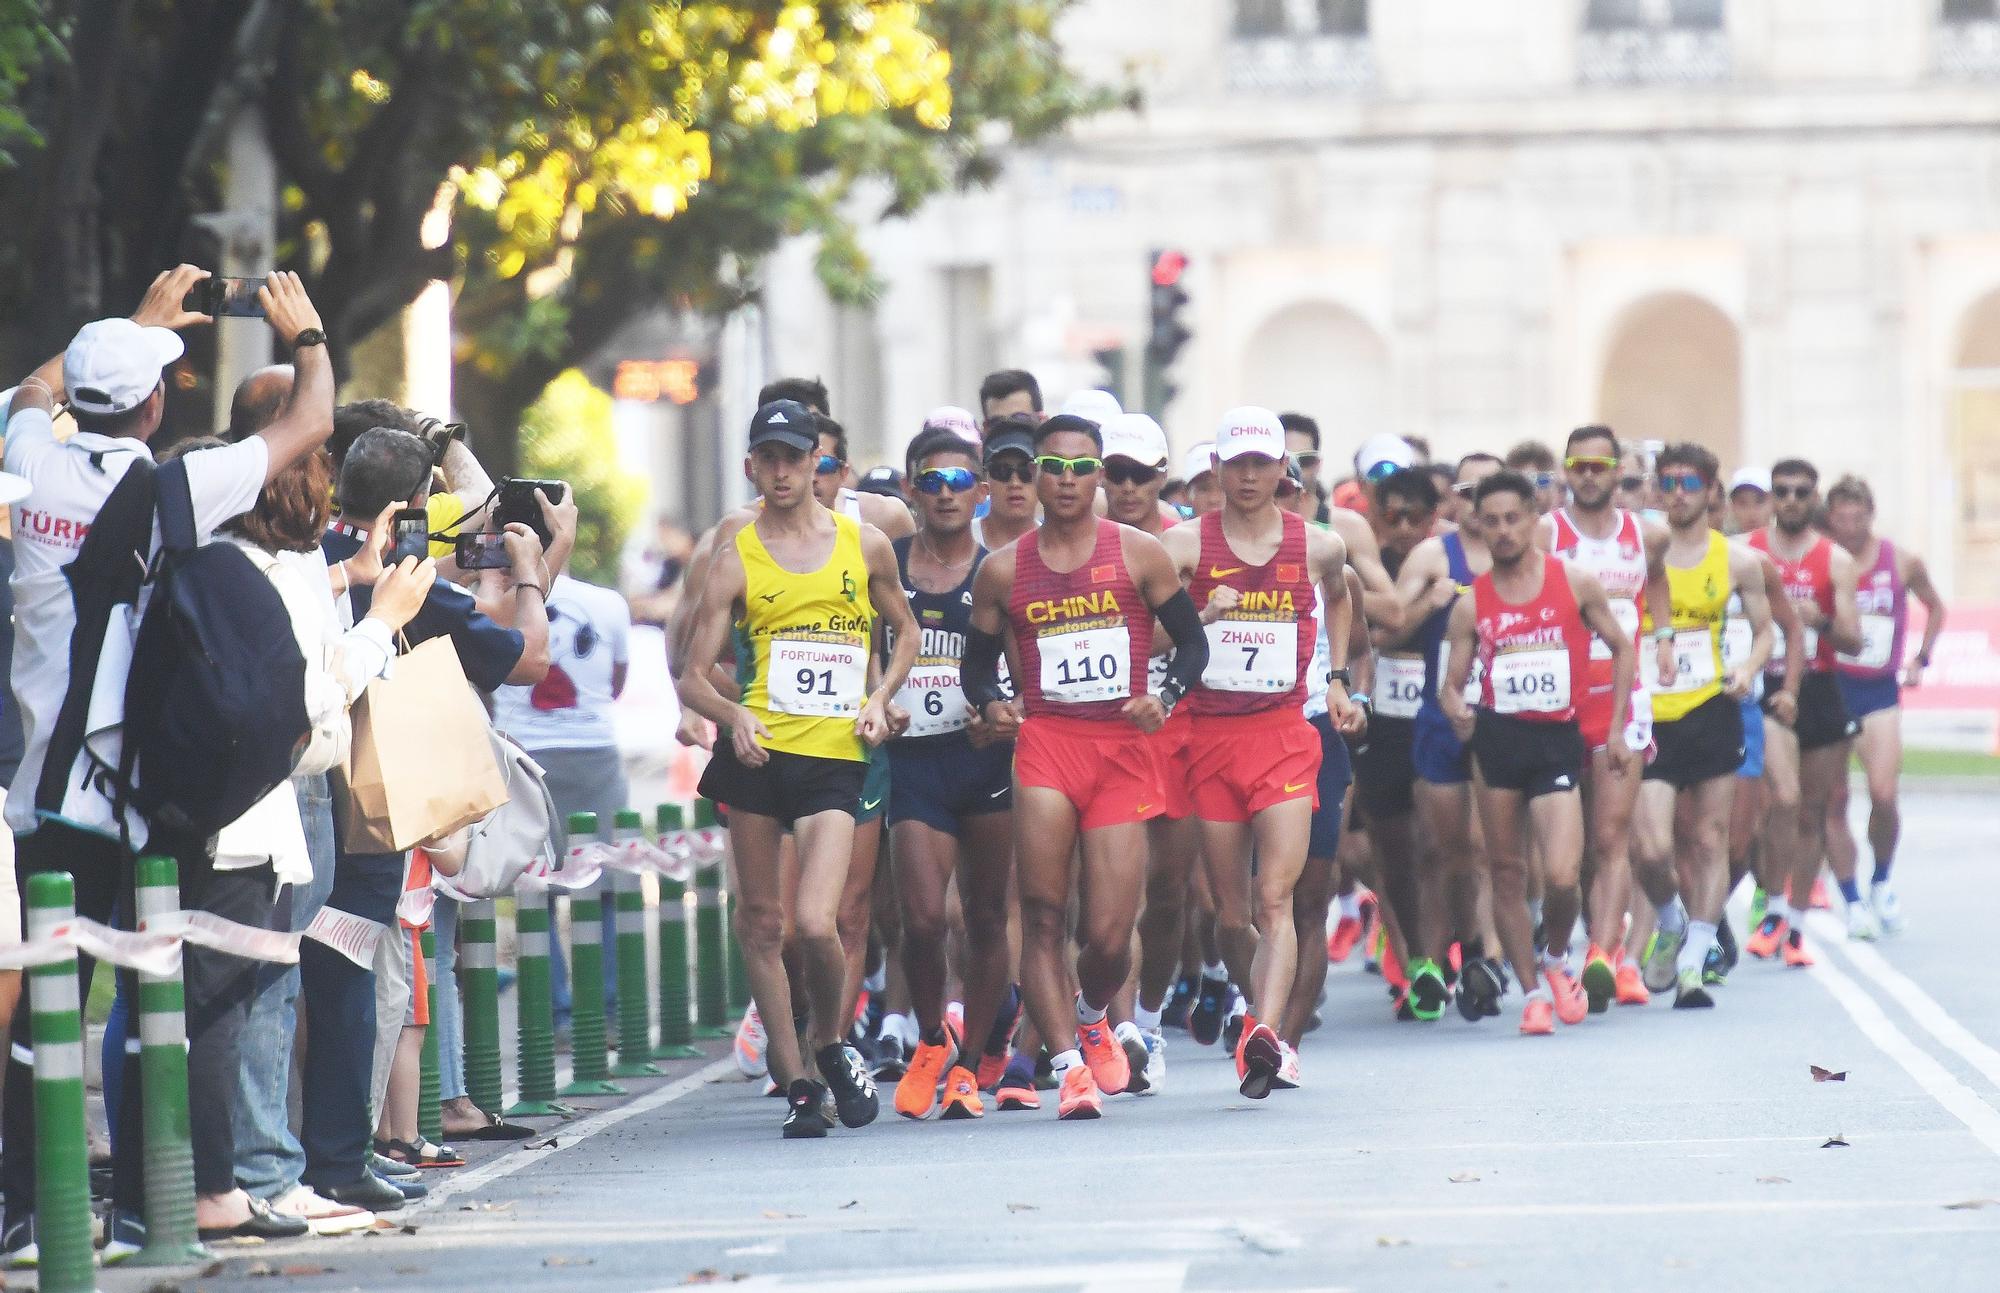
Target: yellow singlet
{"x":1701,"y":601}
{"x":809,"y":636}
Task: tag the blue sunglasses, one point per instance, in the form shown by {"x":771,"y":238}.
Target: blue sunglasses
{"x":938,"y":479}
{"x":828,"y":465}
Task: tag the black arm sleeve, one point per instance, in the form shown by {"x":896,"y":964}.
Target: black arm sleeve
{"x":979,"y":672}
{"x":1183,"y":623}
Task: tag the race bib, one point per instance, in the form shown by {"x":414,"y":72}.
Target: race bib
{"x":1878,"y":640}
{"x":1777,"y":662}
{"x":818,"y":679}
{"x":1086,"y":665}
{"x":1737,"y":640}
{"x":1694,"y":662}
{"x":1399,"y":685}
{"x":1252,"y":655}
{"x":1627,"y":615}
{"x":1531,"y":682}
{"x":935,"y":700}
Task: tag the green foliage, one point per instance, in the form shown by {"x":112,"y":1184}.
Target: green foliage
{"x":567,"y":435}
{"x":25,"y":40}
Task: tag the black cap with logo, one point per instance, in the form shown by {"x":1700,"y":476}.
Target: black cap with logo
{"x":785,"y":422}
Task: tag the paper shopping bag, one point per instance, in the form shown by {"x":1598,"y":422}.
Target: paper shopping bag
{"x":421,"y":763}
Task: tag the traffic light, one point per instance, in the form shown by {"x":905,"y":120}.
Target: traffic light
{"x":1168,"y":334}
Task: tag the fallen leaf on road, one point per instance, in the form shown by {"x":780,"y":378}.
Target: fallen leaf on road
{"x":1463,"y":1178}
{"x":709,"y":1275}
{"x":1827,"y":1075}
{"x":508,"y":1206}
{"x":1774,"y":1180}
{"x":774,"y":1215}
{"x":1391,"y":1241}
{"x":407,"y":1230}
{"x":851,"y":1203}
{"x":1836,"y":1142}
{"x":569,"y":1261}
{"x":550,"y":1143}
{"x":1022,"y":1207}
{"x":259,"y":1270}
{"x":305,"y":1269}
{"x":1967,"y":1205}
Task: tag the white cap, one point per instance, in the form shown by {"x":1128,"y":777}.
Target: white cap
{"x":954,"y":419}
{"x":1754,"y":477}
{"x":1135,"y":436}
{"x":1095,"y":405}
{"x":1250,"y":429}
{"x":1378,"y":449}
{"x":1198,"y":461}
{"x":114,"y":364}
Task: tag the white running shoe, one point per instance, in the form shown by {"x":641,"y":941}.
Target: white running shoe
{"x":1861,"y":926}
{"x":1156,"y":1061}
{"x":1288,"y":1069}
{"x":1888,"y":908}
{"x":750,"y":1043}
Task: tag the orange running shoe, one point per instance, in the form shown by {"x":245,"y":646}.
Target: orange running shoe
{"x":1079,"y":1098}
{"x":1105,"y":1056}
{"x":1538,"y":1017}
{"x":1345,"y":938}
{"x":917,"y":1091}
{"x":1013,"y":1096}
{"x":1631,"y":985}
{"x":1572,"y":1004}
{"x":1819,"y":900}
{"x":961,"y":1096}
{"x":1259,"y":1059}
{"x":1796,"y":955}
{"x":1600,"y":981}
{"x":992,"y":1068}
{"x":1770,"y":933}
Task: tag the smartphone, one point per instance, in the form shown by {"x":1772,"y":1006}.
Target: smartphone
{"x":517,"y":503}
{"x":226,"y":298}
{"x":483,"y":551}
{"x":409,"y":537}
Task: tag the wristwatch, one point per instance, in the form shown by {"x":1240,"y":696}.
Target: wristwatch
{"x":1169,"y":694}
{"x":310,"y":337}
{"x":1344,"y":676}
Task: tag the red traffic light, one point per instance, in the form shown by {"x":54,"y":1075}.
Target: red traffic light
{"x":1168,"y":266}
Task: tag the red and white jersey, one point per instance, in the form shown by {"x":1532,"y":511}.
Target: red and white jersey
{"x":1259,"y":654}
{"x":1619,"y":563}
{"x":1534,"y":655}
{"x":1808,"y":582}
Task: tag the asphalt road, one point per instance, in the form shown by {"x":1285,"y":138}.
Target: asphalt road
{"x":1644,"y":1149}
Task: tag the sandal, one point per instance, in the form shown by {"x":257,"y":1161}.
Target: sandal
{"x":421,"y":1154}
{"x":494,"y":1129}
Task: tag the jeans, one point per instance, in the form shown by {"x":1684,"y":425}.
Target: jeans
{"x":588,"y":780}
{"x":340,"y":1026}
{"x":111,"y":1055}
{"x":269,"y":1160}
{"x":449,"y":1017}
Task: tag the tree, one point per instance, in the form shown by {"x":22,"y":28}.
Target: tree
{"x":597,"y":160}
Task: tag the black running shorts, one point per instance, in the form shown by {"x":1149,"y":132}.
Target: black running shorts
{"x":1385,"y":771}
{"x":788,"y":787}
{"x":1823,"y":718}
{"x":1704,"y":743}
{"x":1531,"y":757}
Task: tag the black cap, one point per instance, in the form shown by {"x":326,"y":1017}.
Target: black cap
{"x":886,"y":481}
{"x":785,"y":422}
{"x":1004,"y":436}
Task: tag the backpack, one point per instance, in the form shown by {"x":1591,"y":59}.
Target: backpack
{"x":215,"y":710}
{"x":511,"y":838}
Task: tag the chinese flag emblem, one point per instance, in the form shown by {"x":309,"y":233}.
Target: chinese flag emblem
{"x":1103,"y":574}
{"x":1288,"y":574}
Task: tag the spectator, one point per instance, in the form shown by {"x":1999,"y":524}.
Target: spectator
{"x":112,"y":378}
{"x":1011,"y":391}
{"x":651,"y":574}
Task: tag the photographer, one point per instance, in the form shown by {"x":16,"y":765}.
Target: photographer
{"x":384,"y":467}
{"x":111,"y":377}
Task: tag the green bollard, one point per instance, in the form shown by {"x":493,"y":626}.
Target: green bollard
{"x":430,"y":1109}
{"x":171,"y":1235}
{"x":479,"y":984}
{"x":676,"y":1034}
{"x":711,"y":1005}
{"x":62,"y":1147}
{"x":535,"y":1056}
{"x":634,"y":1023}
{"x":590,"y":1066}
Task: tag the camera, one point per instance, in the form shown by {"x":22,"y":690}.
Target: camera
{"x":439,"y":435}
{"x":517,"y":503}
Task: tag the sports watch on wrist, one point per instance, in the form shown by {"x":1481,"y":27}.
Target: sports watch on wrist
{"x":309,"y":337}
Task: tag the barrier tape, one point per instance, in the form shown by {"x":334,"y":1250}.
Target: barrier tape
{"x":154,"y":950}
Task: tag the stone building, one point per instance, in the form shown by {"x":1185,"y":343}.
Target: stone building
{"x":1769,"y":225}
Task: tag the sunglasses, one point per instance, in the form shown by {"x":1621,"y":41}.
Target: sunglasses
{"x":828,"y":465}
{"x":1590,"y":462}
{"x":1022,"y":473}
{"x":1792,"y":491}
{"x":1632,"y":484}
{"x":1379,"y":472}
{"x":1056,"y":465}
{"x":1542,"y":479}
{"x":1406,"y":516}
{"x":1131,"y":473}
{"x":1682,"y":482}
{"x":1307,"y":459}
{"x":939,"y":479}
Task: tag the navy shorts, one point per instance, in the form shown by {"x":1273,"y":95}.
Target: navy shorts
{"x":1865,"y":695}
{"x":1336,"y":773}
{"x":942,"y":780}
{"x":1439,"y":756}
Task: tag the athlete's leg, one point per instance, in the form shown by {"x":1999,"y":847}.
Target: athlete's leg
{"x":1781,"y":845}
{"x":985,"y":859}
{"x":1172,"y":847}
{"x":923,"y":861}
{"x":826,"y":851}
{"x":1312,"y":901}
{"x":857,"y":902}
{"x":1820,"y":771}
{"x":1610,"y":839}
{"x":1226,"y":849}
{"x":1503,"y":821}
{"x":1653,"y":843}
{"x":1280,"y":831}
{"x":1446,"y":814}
{"x":1410,"y":885}
{"x":1880,"y":747}
{"x":1702,"y":831}
{"x":755,"y":875}
{"x":1045,"y":829}
{"x":1557,"y":822}
{"x":1112,"y":882}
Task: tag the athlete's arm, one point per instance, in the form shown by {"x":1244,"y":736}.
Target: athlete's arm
{"x":1359,"y":657}
{"x":892,"y":518}
{"x":681,"y":627}
{"x":892,"y":610}
{"x":1423,"y":586}
{"x":719,"y":596}
{"x":979,"y":671}
{"x":1746,"y":576}
{"x":1917,"y":578}
{"x":1845,"y":627}
{"x":1660,"y":599}
{"x":1785,"y":614}
{"x":1183,"y":545}
{"x":1458,"y":631}
{"x":1160,"y":584}
{"x":1596,"y":611}
{"x":1378,"y":593}
{"x":1326,"y":556}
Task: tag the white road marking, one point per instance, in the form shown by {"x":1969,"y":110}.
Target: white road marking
{"x":1118,"y":1277}
{"x":1960,"y":1100}
{"x":569,"y":1135}
{"x":1923,"y":1009}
